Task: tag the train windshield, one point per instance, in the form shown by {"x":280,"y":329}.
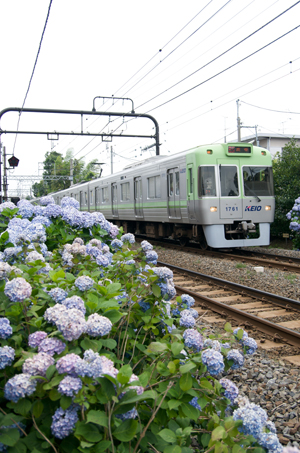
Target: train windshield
{"x":229,"y":180}
{"x":207,"y":182}
{"x":258,"y":181}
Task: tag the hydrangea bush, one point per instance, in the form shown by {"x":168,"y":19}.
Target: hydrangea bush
{"x":97,"y":354}
{"x":294,"y":216}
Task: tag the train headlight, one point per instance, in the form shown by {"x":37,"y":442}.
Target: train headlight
{"x":268,"y":208}
{"x":213,"y":209}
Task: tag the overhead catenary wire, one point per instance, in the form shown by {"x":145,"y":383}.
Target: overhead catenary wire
{"x":222,"y":54}
{"x":33,"y":70}
{"x":272,"y":110}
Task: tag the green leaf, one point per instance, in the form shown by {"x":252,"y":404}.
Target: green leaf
{"x":37,"y":409}
{"x":218,"y":433}
{"x":187,"y":367}
{"x":50,"y":371}
{"x":22,"y":407}
{"x":186,"y":382}
{"x":87,"y":343}
{"x":172,"y":367}
{"x":228,"y":327}
{"x":173,"y":449}
{"x":56,"y":275}
{"x":205,"y":438}
{"x":129,"y":399}
{"x":87,"y":431}
{"x":157,"y":347}
{"x":176,"y":348}
{"x":190,"y":411}
{"x":10,"y":437}
{"x":113,"y":288}
{"x":109,"y":343}
{"x":167,"y":435}
{"x":19,"y":447}
{"x":106,"y":392}
{"x":54,"y":395}
{"x":113,"y":315}
{"x":126,"y":431}
{"x":101,"y":446}
{"x":156,"y":290}
{"x":65,"y":402}
{"x":98,"y":417}
{"x":174,"y":403}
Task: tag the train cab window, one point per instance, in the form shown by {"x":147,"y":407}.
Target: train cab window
{"x":229,"y":181}
{"x":206,"y":181}
{"x":104,"y":194}
{"x":125,"y":191}
{"x":258,"y":181}
{"x":154,"y":187}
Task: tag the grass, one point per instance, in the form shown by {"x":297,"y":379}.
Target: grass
{"x":240,"y":266}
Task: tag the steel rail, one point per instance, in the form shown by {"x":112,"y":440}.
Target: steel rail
{"x":275,"y":330}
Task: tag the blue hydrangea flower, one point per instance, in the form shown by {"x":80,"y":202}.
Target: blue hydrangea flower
{"x":103,"y":260}
{"x":187,"y":321}
{"x":7,"y":204}
{"x":271,"y":442}
{"x":194,"y":403}
{"x":7,"y":356}
{"x":128,"y":237}
{"x":94,"y":365}
{"x":74,"y":302}
{"x":35,"y":338}
{"x":19,"y":386}
{"x":63,"y":422}
{"x":214,"y":344}
{"x":84,"y":283}
{"x":188,"y":300}
{"x":52,"y":210}
{"x":5,"y":270}
{"x":146,"y":246}
{"x":70,"y":386}
{"x":189,"y":312}
{"x":67,"y":364}
{"x":71,"y":324}
{"x":250,"y":345}
{"x":151,"y":257}
{"x":114,"y":230}
{"x":18,"y":289}
{"x":116,"y":244}
{"x":58,"y":294}
{"x":51,"y":346}
{"x":38,"y":365}
{"x":214,"y":361}
{"x":98,"y":326}
{"x":231,"y":390}
{"x":193,"y":339}
{"x":42,"y":219}
{"x":164,"y":273}
{"x":128,"y":415}
{"x":254,"y":419}
{"x":144,"y":305}
{"x":237,"y":357}
{"x":69,"y":202}
{"x":5,"y":328}
{"x":25,"y":209}
{"x":34,"y":256}
{"x":48,"y":199}
{"x":235,"y":332}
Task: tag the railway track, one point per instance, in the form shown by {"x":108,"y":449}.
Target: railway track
{"x":218,"y":300}
{"x":288,"y":264}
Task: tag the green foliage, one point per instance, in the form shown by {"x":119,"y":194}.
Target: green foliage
{"x":153,"y":377}
{"x":286,"y":170}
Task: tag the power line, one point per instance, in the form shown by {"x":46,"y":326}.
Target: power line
{"x":179,"y":45}
{"x":34,"y":66}
{"x":270,"y":110}
{"x":224,"y":70}
{"x":219,"y":56}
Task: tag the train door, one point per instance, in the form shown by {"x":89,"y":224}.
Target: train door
{"x":138,"y":197}
{"x":114,"y":199}
{"x":230,"y":192}
{"x":190,"y":192}
{"x":173,"y":193}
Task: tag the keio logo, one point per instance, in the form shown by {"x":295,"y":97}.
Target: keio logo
{"x":253,"y":208}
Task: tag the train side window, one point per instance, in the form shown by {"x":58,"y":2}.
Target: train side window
{"x":91,"y":197}
{"x":154,"y":187}
{"x":125,"y":191}
{"x":171,"y":184}
{"x":177,"y":191}
{"x":85,"y":198}
{"x":206,"y":181}
{"x":104,"y":194}
{"x":229,"y":181}
{"x":191,"y":188}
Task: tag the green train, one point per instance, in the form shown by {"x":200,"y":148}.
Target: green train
{"x":219,"y":195}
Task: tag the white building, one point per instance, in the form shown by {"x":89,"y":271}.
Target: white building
{"x":272,"y":142}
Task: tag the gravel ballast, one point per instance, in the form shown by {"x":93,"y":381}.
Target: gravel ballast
{"x":266,"y":378}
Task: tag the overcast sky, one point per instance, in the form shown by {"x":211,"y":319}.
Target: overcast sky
{"x":184,"y":63}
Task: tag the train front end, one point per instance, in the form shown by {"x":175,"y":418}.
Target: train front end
{"x":235,"y":201}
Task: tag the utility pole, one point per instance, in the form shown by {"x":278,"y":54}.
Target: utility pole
{"x":71,"y":172}
{"x":111,"y":160}
{"x":4,"y":175}
{"x":238,"y":121}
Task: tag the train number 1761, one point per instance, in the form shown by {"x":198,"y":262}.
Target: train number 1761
{"x":232,"y":208}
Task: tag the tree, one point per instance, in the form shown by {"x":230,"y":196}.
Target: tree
{"x":286,"y":167}
{"x":57,"y":165}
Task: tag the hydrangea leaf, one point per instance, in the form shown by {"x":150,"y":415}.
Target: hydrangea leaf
{"x":176,"y":348}
{"x":22,"y":407}
{"x":157,"y":347}
{"x":167,"y":435}
{"x":98,"y":417}
{"x":219,"y":433}
{"x":102,"y":446}
{"x":187,"y":367}
{"x":126,"y":431}
{"x":186,"y":382}
{"x":37,"y":408}
{"x":88,"y":432}
{"x":10,"y":437}
{"x":190,"y":411}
